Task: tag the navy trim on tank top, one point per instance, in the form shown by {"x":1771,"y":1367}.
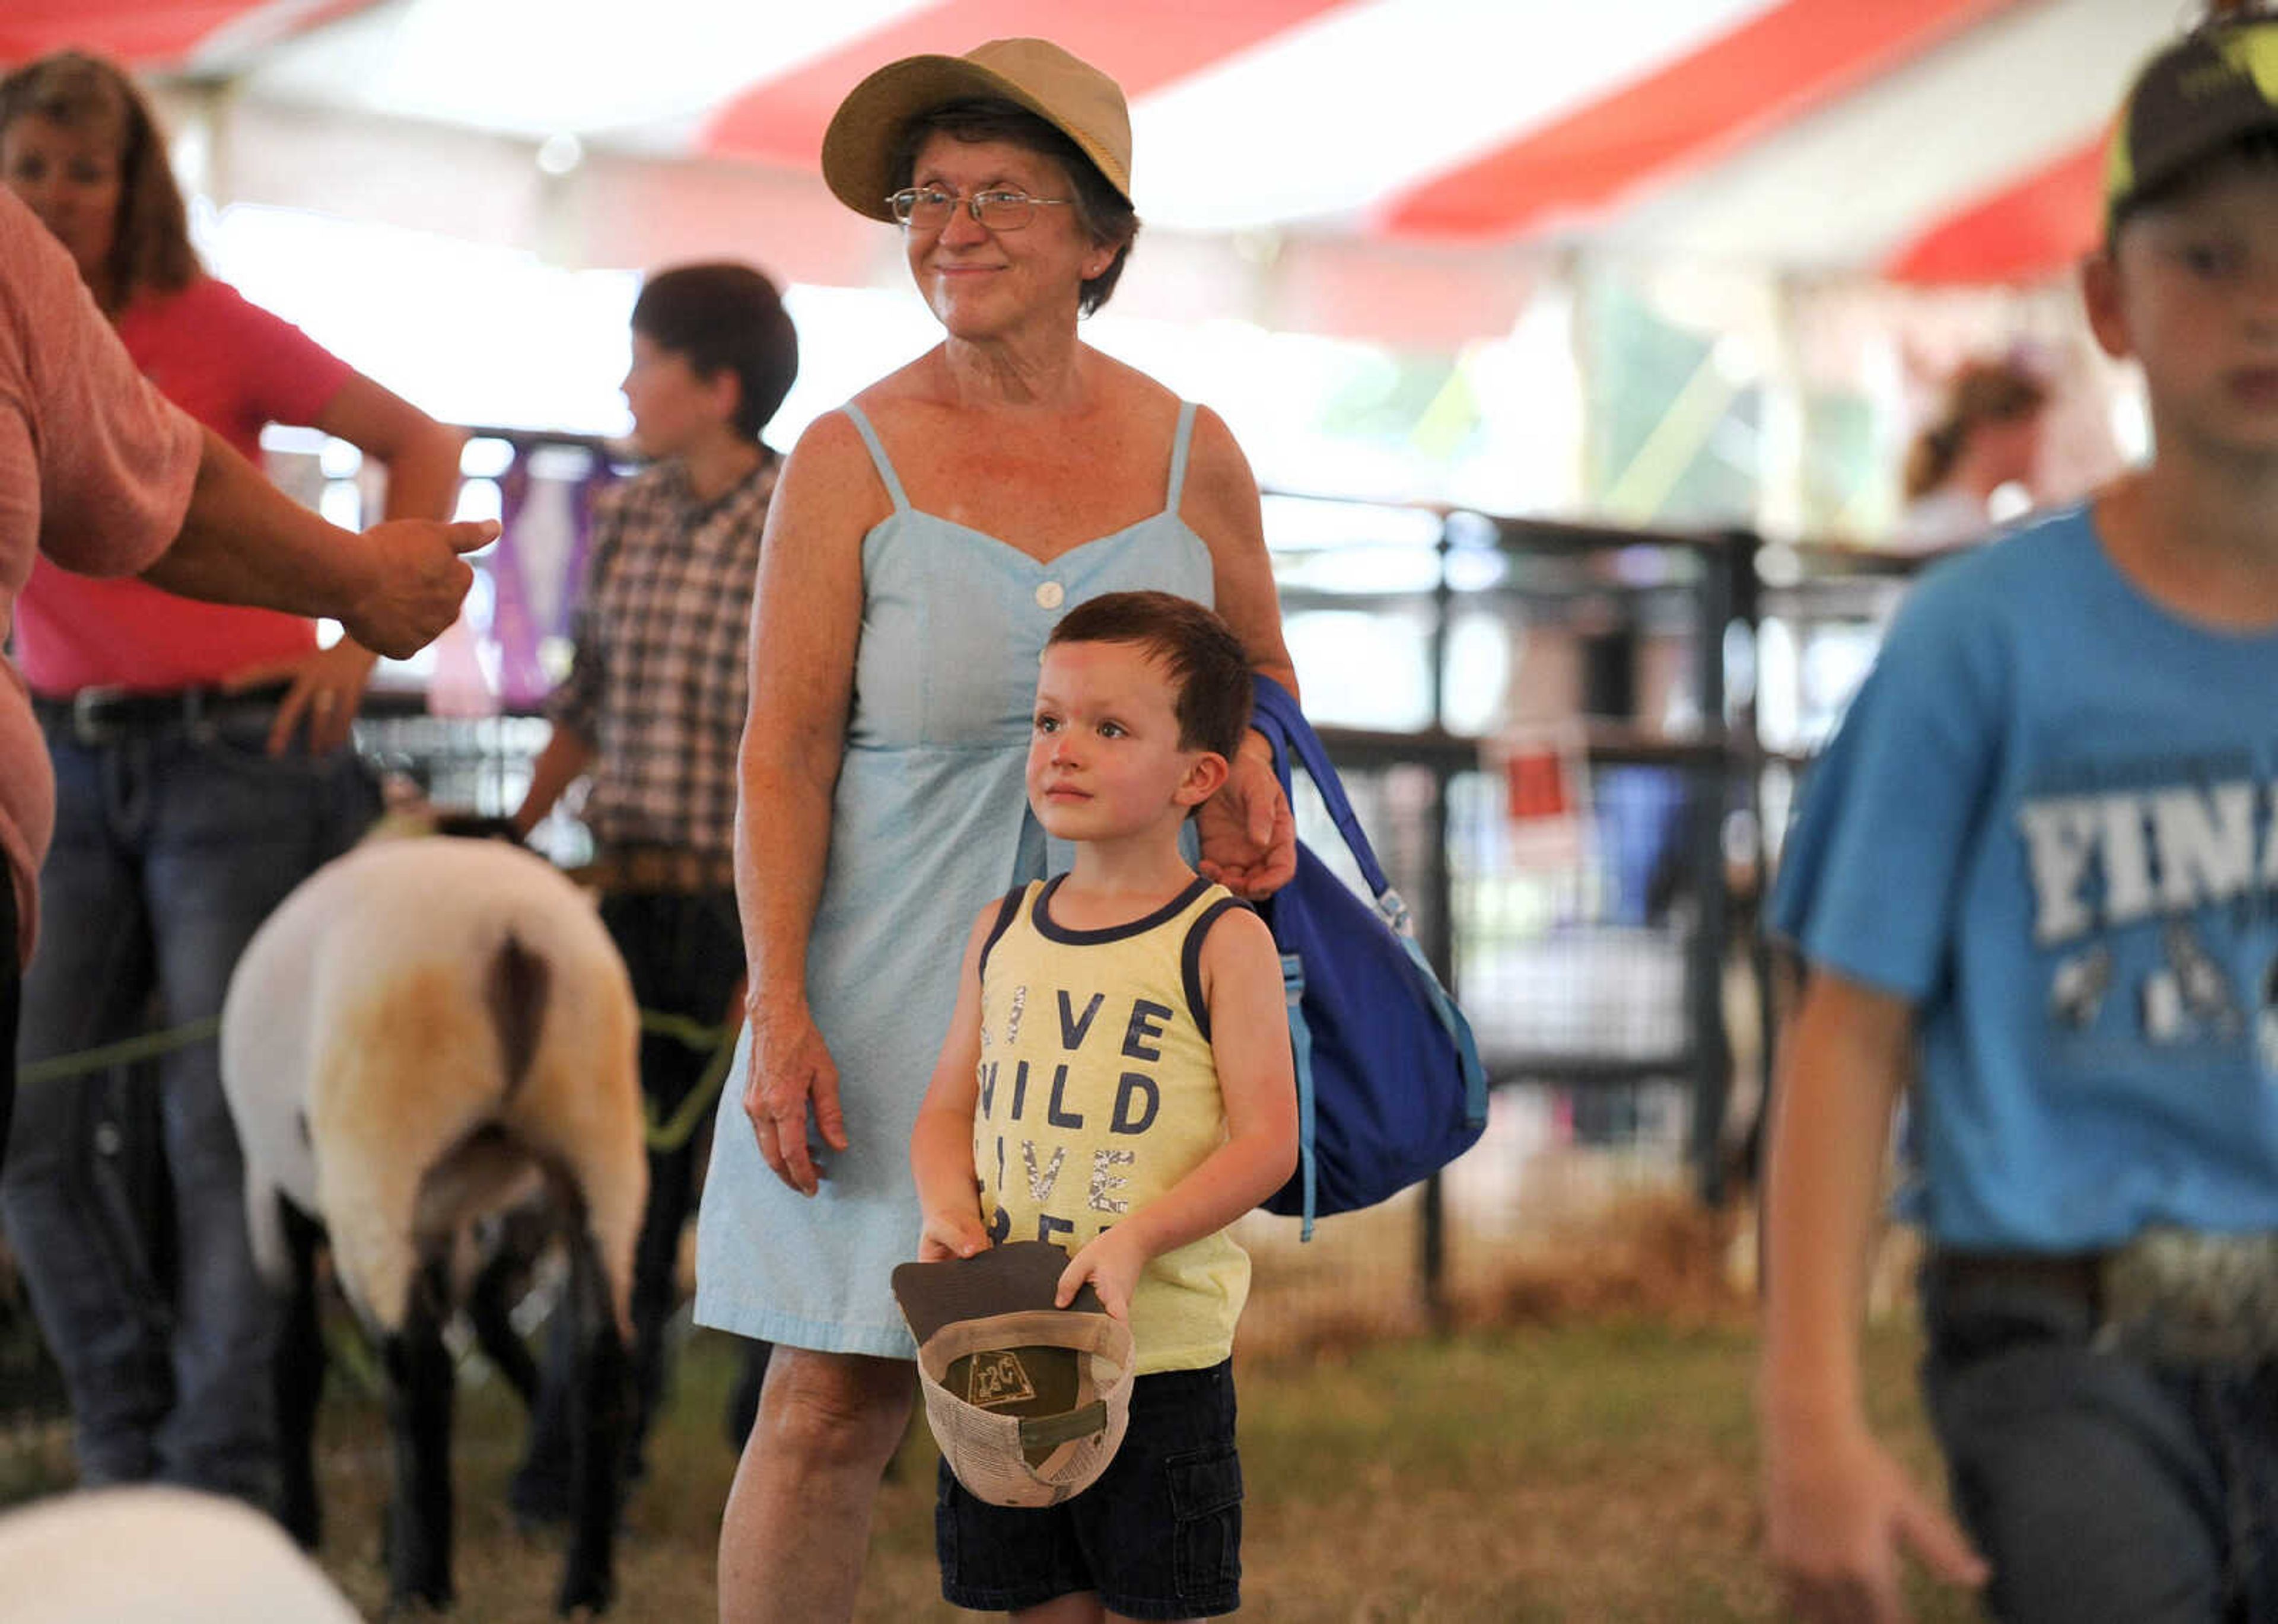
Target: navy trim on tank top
{"x":1190,"y":961}
{"x":1007,"y":911}
{"x":1040,"y":916}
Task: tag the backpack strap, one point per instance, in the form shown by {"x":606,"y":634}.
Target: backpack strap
{"x":1301,"y":1053}
{"x":1274,"y":712}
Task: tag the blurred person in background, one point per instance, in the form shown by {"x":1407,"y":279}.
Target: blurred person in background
{"x":923,"y":542}
{"x":1988,"y":437}
{"x":653,"y":710}
{"x":100,"y":473}
{"x":202,"y":769}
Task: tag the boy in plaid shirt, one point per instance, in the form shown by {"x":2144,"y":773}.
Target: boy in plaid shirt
{"x":653,"y":710}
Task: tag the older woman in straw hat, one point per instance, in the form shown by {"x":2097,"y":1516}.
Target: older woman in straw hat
{"x":923,"y":541}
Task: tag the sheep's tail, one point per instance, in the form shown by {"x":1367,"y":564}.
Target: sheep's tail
{"x":515,"y":991}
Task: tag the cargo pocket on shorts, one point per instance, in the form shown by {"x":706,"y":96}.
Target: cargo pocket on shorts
{"x":1206,"y":1505}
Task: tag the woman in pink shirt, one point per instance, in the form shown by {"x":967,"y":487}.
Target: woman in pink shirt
{"x":202,"y":769}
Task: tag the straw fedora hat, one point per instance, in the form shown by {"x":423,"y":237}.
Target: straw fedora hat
{"x":1071,"y":96}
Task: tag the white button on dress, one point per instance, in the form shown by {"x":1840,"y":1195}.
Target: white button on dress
{"x":1049,"y":595}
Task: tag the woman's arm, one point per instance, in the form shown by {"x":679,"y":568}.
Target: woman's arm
{"x":1838,"y":1509}
{"x":941,"y":1143}
{"x":806,"y":621}
{"x":422,"y":459}
{"x":1220,"y":505}
{"x":420,"y":455}
{"x":244,"y":541}
{"x":1250,"y":841}
{"x":1257,"y":1078}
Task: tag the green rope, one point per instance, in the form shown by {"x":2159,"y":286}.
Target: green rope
{"x":668,"y":1135}
{"x":673,"y":1132}
{"x":689,"y":1030}
{"x":148,"y":1046}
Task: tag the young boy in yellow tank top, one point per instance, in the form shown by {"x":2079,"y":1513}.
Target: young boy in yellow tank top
{"x":1117,"y":1080}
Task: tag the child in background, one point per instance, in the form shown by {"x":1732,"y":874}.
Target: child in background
{"x":1117,"y":1080}
{"x":2037,"y":862}
{"x":653,"y":710}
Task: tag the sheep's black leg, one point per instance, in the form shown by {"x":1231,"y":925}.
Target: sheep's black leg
{"x":601,"y":1397}
{"x":419,"y":1375}
{"x":299,"y":1381}
{"x":490,"y":1309}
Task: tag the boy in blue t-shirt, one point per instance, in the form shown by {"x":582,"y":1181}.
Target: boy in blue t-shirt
{"x":2039,"y":868}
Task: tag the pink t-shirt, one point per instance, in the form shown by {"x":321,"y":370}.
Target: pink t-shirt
{"x":235,"y":367}
{"x":95,"y":471}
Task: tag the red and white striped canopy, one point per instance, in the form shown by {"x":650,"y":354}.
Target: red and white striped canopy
{"x":1931,"y":141}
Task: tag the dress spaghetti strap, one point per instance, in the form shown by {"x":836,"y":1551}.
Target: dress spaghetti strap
{"x":1179,"y":444}
{"x":893,"y":481}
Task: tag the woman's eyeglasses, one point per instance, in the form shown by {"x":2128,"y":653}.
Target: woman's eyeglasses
{"x":925,"y":208}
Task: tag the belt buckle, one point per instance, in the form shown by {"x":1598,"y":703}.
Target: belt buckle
{"x":2178,"y":1297}
{"x":86,"y":726}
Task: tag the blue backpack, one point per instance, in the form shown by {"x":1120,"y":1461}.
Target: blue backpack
{"x":1389,"y":1085}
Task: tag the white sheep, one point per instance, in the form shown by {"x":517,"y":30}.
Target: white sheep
{"x":423,"y":1031}
{"x":192,"y":1559}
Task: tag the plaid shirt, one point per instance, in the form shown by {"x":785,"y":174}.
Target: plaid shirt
{"x":659,"y":680}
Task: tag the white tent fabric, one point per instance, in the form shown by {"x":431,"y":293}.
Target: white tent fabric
{"x":1306,"y":117}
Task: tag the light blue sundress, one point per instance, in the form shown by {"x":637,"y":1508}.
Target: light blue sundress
{"x":931,"y":821}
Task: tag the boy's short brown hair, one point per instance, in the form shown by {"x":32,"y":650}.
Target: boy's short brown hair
{"x":1205,"y":661}
{"x":724,"y":316}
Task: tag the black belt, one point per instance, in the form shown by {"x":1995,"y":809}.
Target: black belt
{"x":2176,"y":1298}
{"x":97,"y":716}
{"x":2076,"y":1277}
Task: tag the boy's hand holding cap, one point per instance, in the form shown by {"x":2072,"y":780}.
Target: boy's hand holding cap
{"x":1028,"y":1401}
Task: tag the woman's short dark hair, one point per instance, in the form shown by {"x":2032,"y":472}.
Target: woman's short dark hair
{"x":1105,"y":213}
{"x":1204,"y":659}
{"x":150,"y":249}
{"x":724,"y":316}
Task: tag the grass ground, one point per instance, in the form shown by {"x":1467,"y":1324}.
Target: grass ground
{"x":1573,"y":1452}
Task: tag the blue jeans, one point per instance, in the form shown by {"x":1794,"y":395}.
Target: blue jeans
{"x":2098,"y":1487}
{"x":173,"y":842}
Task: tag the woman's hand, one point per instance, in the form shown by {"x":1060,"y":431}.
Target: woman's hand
{"x":326,"y":686}
{"x":414,"y":582}
{"x":1840,"y":1516}
{"x":791,"y":1073}
{"x":1248,"y":837}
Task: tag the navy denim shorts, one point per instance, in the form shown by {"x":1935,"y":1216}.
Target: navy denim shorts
{"x":1159,"y":1536}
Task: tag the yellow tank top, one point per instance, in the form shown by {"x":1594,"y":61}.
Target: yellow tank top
{"x":1098,"y":1092}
